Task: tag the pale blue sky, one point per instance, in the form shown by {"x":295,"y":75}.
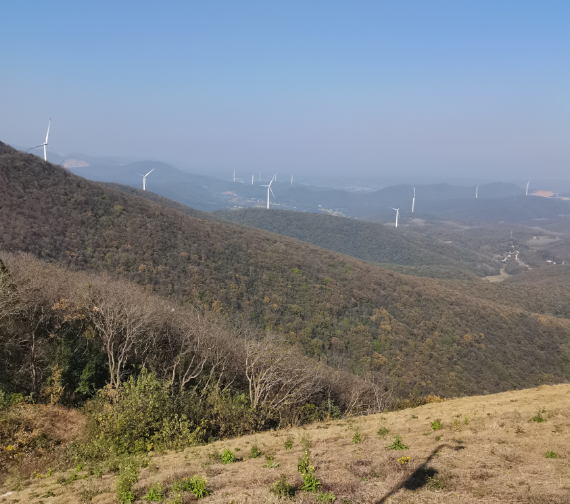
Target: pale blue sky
{"x":448,"y":87}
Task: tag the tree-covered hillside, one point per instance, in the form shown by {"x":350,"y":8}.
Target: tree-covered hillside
{"x":370,"y":241}
{"x":429,"y":335}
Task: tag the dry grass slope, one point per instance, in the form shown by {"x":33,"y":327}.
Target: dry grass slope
{"x":487,"y":450}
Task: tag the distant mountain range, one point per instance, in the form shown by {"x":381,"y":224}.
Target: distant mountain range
{"x":495,"y":202}
{"x":446,"y":337}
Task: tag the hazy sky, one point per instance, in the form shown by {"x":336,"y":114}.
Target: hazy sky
{"x":425,"y":86}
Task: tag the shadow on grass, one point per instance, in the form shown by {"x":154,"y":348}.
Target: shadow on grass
{"x":419,"y":477}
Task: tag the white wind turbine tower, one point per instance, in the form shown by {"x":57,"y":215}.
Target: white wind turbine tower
{"x":527,"y":187}
{"x":397,"y":214}
{"x":476,"y":192}
{"x":144,"y":178}
{"x":269,"y":189}
{"x":414,"y":200}
{"x":44,"y":145}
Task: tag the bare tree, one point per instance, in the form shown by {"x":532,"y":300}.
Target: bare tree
{"x":192,"y":346}
{"x":277,"y":375}
{"x":123,"y":316}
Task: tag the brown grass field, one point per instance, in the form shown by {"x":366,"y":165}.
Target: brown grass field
{"x":488,"y":450}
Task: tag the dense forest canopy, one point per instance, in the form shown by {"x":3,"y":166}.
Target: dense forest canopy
{"x":428,"y":336}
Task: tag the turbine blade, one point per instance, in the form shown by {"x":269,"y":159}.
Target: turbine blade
{"x":49,"y":123}
{"x":272,"y":192}
{"x":41,"y":145}
{"x":149,"y":172}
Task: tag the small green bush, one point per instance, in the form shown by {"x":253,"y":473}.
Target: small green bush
{"x":310,"y":482}
{"x":538,"y":418}
{"x":282,"y":488}
{"x":197,"y":485}
{"x":326,"y":497}
{"x":551,"y":454}
{"x":255,"y":452}
{"x":436,"y":425}
{"x":383,"y":431}
{"x":289,"y":444}
{"x":397,"y":444}
{"x":228,"y":457}
{"x":155,"y":493}
{"x":357,"y":436}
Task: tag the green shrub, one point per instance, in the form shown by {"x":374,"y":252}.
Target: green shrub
{"x":228,"y":457}
{"x":397,"y":444}
{"x":357,"y":436}
{"x":281,"y":488}
{"x":289,"y":444}
{"x":436,"y":425}
{"x":383,"y":431}
{"x":255,"y":452}
{"x":310,"y":482}
{"x":7,"y":400}
{"x":551,"y":454}
{"x":326,"y":497}
{"x":127,"y":477}
{"x":198,"y":485}
{"x":142,"y":414}
{"x":155,"y":493}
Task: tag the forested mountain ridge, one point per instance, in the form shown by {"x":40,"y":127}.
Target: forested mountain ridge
{"x":369,"y":241}
{"x":427,"y":334}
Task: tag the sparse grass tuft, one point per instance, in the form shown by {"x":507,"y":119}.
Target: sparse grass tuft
{"x":435,"y":482}
{"x":382,"y":431}
{"x":551,"y":454}
{"x":436,"y":425}
{"x":357,"y":436}
{"x":397,"y":444}
{"x":538,"y":418}
{"x":289,"y":444}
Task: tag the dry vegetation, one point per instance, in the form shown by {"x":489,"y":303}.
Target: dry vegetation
{"x":487,"y":450}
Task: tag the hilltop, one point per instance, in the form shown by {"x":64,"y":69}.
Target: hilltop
{"x":428,"y":336}
{"x":508,"y":447}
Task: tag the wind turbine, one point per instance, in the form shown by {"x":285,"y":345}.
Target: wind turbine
{"x":291,"y":179}
{"x":476,"y":191}
{"x":414,"y":200}
{"x":252,"y":180}
{"x":397,"y":214}
{"x":527,"y":187}
{"x":44,"y":145}
{"x":269,"y":189}
{"x":144,"y":178}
